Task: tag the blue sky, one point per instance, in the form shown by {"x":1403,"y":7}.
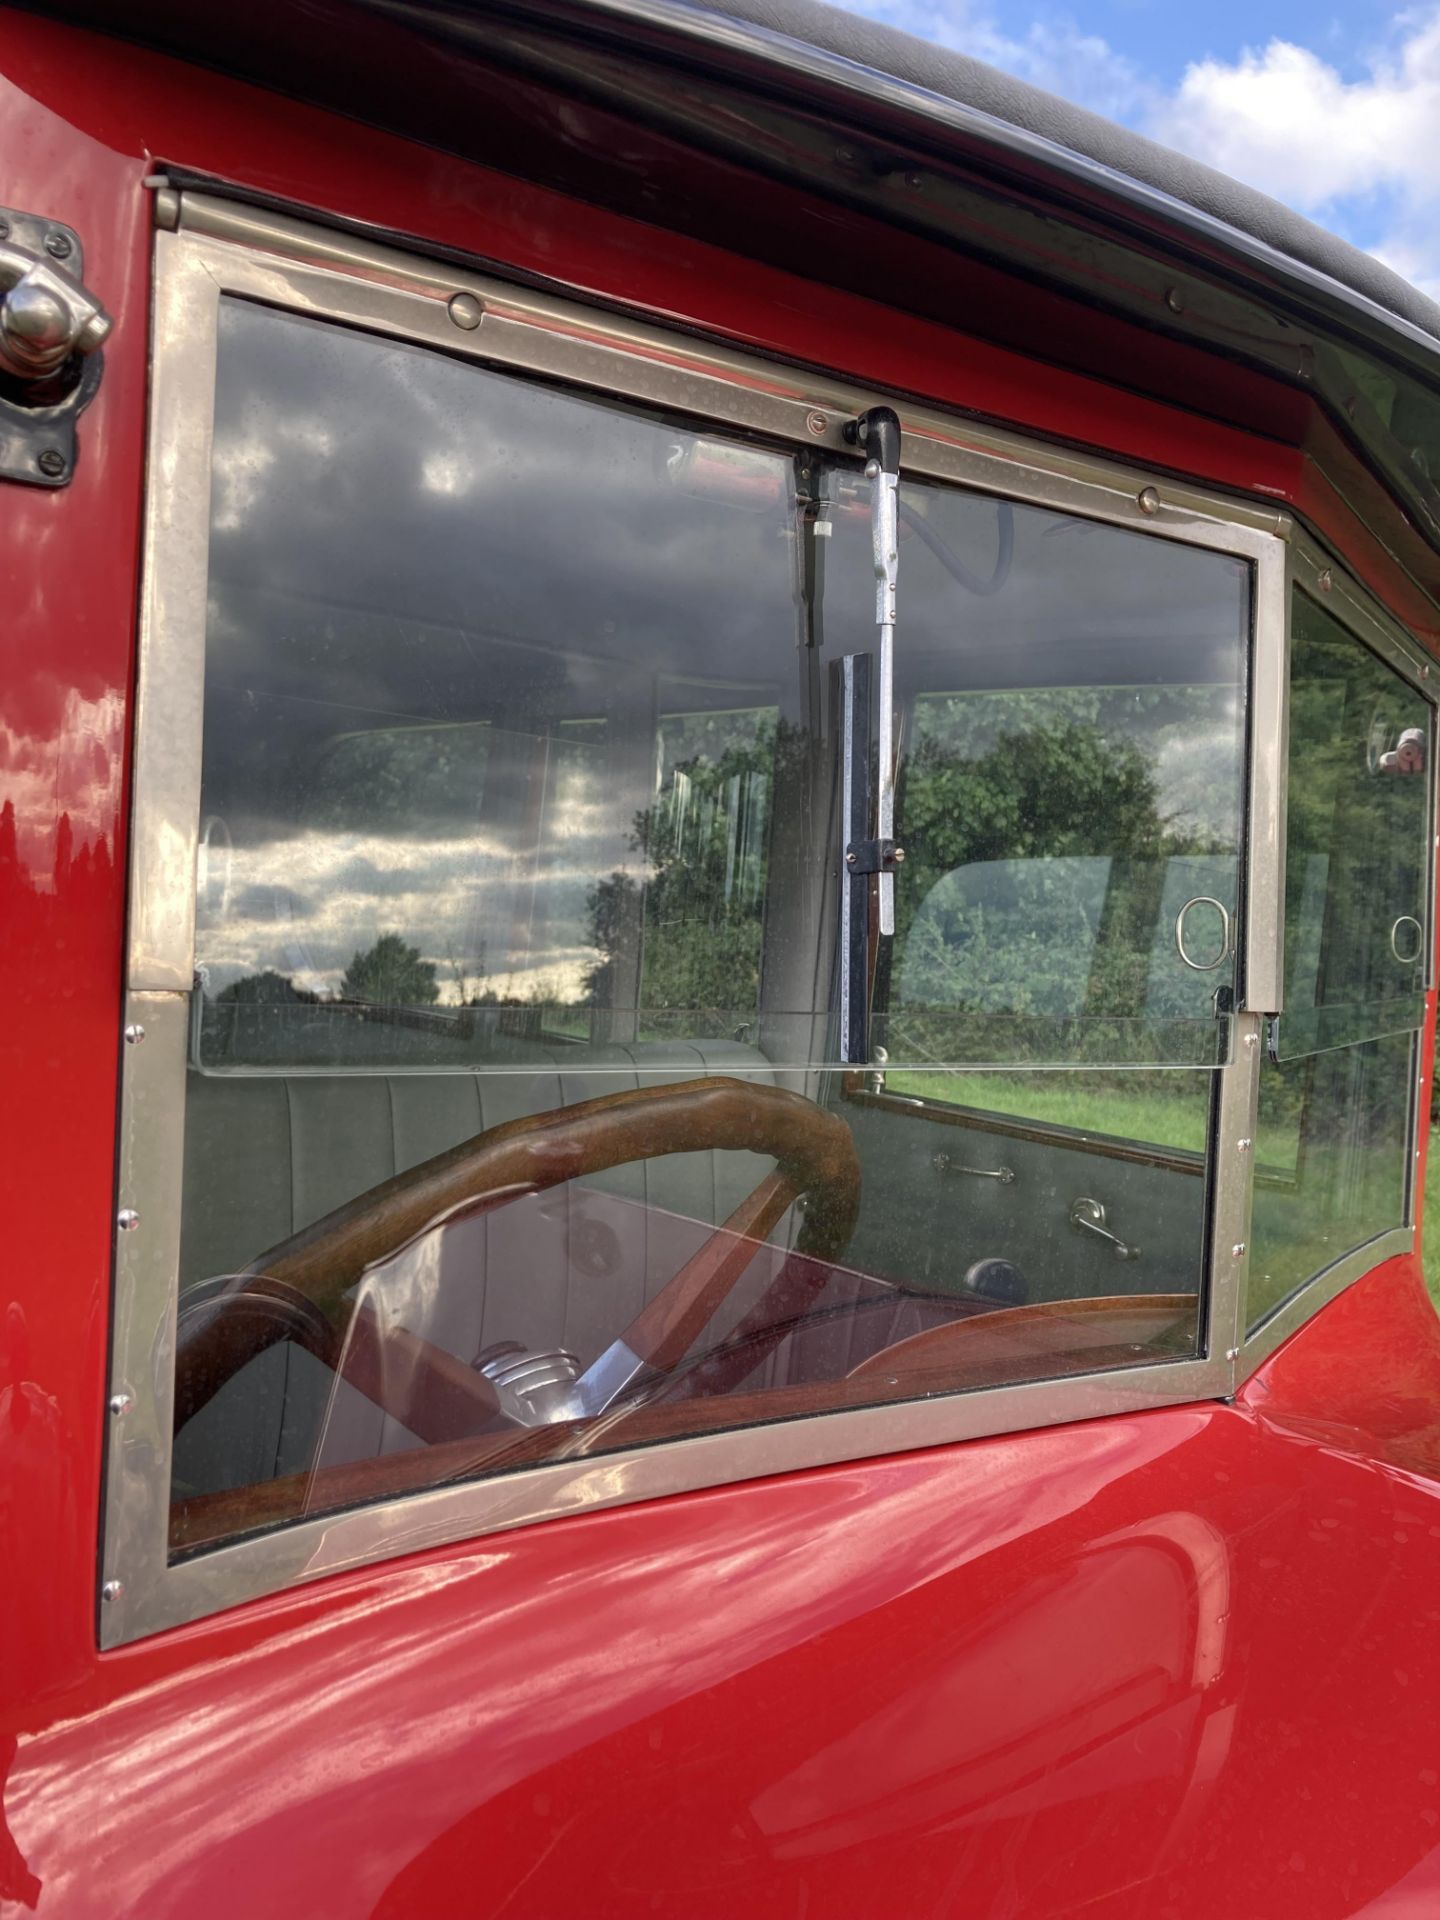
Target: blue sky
{"x":1335,"y":112}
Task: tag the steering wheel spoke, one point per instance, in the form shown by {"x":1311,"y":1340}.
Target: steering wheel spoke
{"x":659,"y":1337}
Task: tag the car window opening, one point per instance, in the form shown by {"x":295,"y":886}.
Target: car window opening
{"x":523,"y":1119}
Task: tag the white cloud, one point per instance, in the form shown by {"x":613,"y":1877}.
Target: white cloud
{"x":1415,"y":255}
{"x":1285,"y":118}
{"x":1356,"y":154}
{"x":1360,"y":155}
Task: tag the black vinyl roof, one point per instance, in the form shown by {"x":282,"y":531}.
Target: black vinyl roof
{"x":937,"y":85}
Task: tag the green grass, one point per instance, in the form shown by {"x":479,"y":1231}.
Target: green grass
{"x":1164,"y":1110}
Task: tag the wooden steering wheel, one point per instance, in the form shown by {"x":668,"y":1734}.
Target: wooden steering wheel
{"x":298,"y":1290}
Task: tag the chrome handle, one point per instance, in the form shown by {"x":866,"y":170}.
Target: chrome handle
{"x":1088,"y":1216}
{"x":1407,"y":959}
{"x":1203,"y":966}
{"x":947,"y":1163}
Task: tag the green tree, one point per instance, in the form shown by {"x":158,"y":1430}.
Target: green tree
{"x":1058,"y":792}
{"x":705,"y":843}
{"x":390,"y":974}
{"x":267,"y":988}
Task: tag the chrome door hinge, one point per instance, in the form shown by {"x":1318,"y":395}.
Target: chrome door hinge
{"x":51,"y":327}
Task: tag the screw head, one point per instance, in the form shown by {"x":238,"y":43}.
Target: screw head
{"x":127,"y":1219}
{"x":1175,"y":300}
{"x":112,"y":1589}
{"x":816,"y":423}
{"x":57,"y":245}
{"x":1242,"y":1146}
{"x":466,"y":311}
{"x":134,"y":1034}
{"x":51,"y":462}
{"x":872,"y":469}
{"x":1148,"y":500}
{"x":1326,"y":581}
{"x":898,"y":856}
{"x":1238,"y":1248}
{"x":120,"y":1403}
{"x":850,"y":859}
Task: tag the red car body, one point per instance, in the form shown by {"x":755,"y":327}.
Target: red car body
{"x":1181,"y":1662}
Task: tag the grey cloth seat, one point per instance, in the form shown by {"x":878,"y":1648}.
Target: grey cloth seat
{"x":265,"y":1155}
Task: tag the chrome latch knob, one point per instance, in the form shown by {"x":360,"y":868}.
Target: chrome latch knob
{"x":46,"y":315}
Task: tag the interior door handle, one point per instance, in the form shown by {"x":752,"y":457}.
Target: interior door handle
{"x":1088,"y":1216}
{"x":947,"y":1163}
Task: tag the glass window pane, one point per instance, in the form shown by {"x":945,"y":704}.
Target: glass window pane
{"x":463,"y":790}
{"x":1333,"y":1135}
{"x":1332,"y":1157}
{"x":514,"y":1125}
{"x":1357,"y":843}
{"x":1071,"y":713}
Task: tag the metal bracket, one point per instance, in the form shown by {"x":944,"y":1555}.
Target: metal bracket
{"x":873,"y":856}
{"x":853,"y":671}
{"x":877,"y":433}
{"x":51,"y":327}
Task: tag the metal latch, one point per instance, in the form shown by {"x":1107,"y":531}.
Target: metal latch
{"x":51,"y":326}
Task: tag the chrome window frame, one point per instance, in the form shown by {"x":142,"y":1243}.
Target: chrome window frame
{"x":1336,"y":591}
{"x":211,"y":249}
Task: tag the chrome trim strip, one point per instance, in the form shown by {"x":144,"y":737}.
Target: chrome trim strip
{"x":1318,"y":1292}
{"x":170,"y":703}
{"x":142,"y":1345}
{"x":1232,"y":1179}
{"x":311,"y":1549}
{"x":727,"y":385}
{"x":1262,"y":981}
{"x":312,"y":272}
